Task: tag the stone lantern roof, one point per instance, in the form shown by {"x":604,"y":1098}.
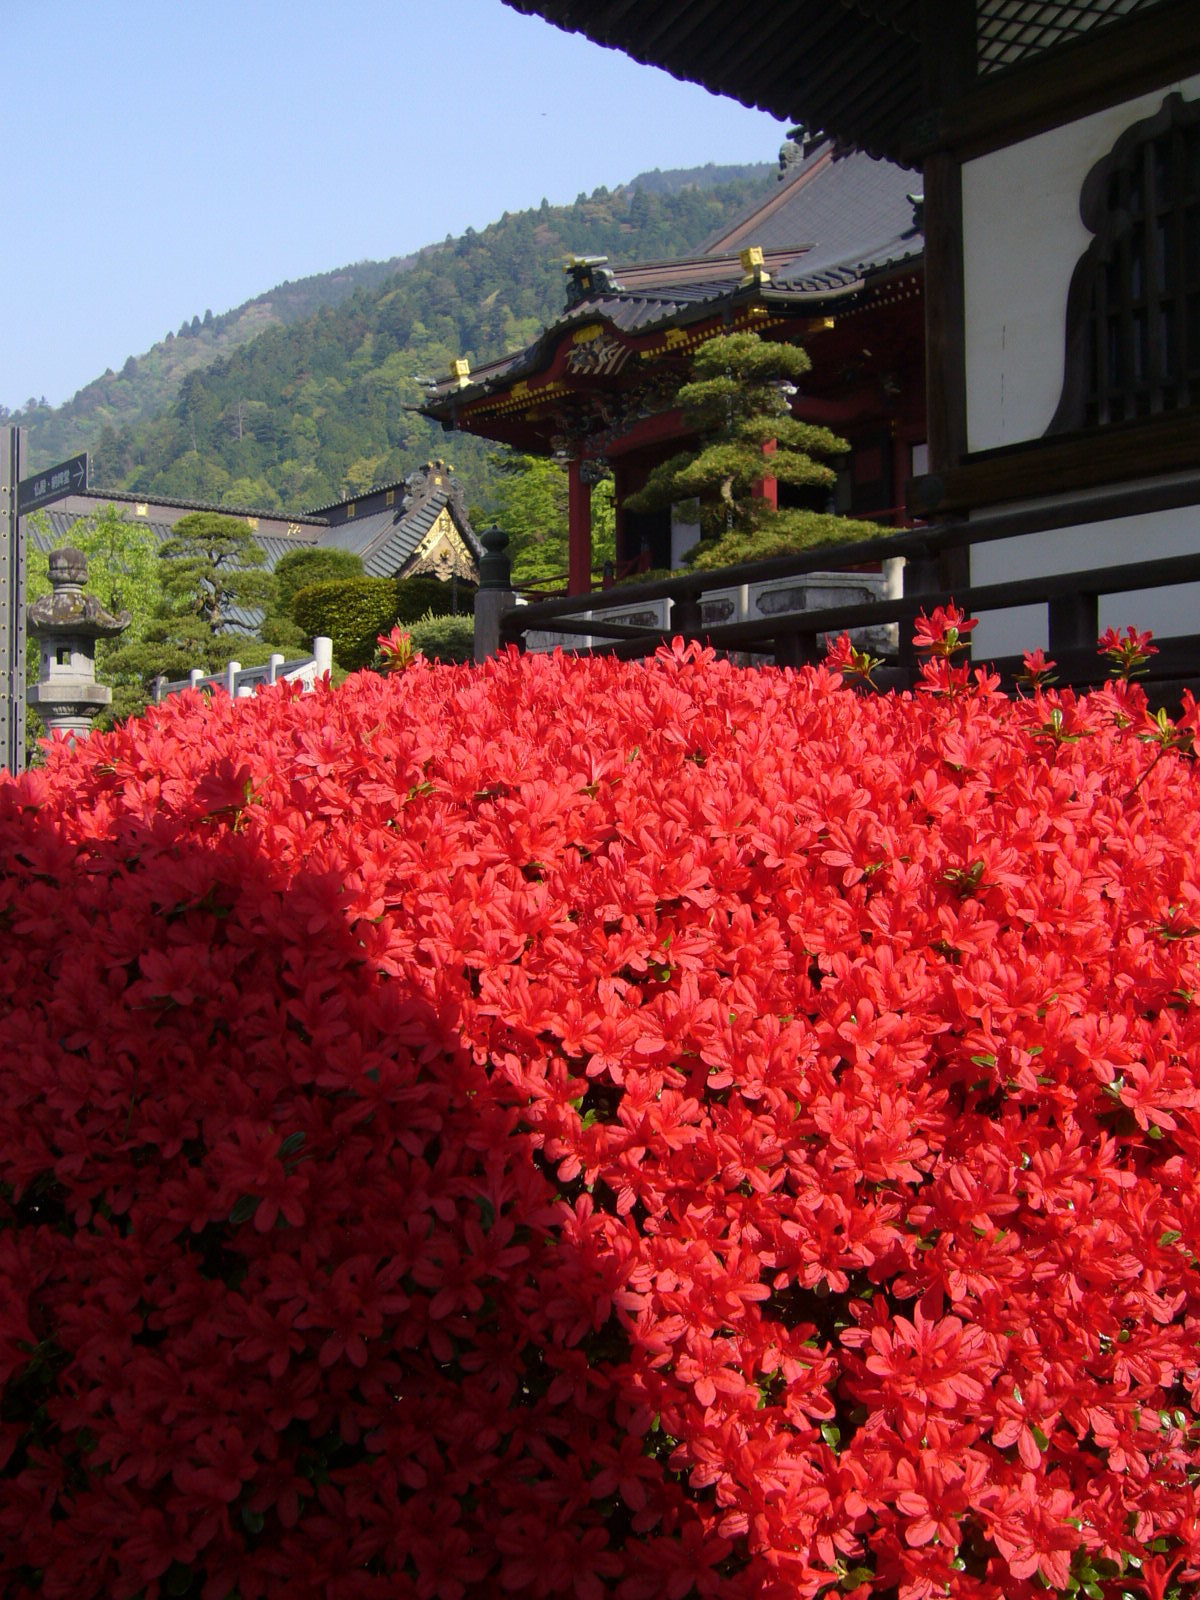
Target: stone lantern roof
{"x":66,"y":609}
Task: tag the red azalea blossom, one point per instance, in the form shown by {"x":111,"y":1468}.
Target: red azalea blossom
{"x":396,"y":650}
{"x":590,"y":1130}
{"x":945,"y":632}
{"x":1129,"y":652}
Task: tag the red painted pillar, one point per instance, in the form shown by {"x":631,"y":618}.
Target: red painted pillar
{"x":579,"y":532}
{"x":767,"y":488}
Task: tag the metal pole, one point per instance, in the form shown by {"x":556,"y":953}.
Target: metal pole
{"x":12,"y":605}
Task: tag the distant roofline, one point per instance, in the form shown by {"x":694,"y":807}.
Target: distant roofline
{"x":263,"y":513}
{"x":692,"y":269}
{"x":353,"y":499}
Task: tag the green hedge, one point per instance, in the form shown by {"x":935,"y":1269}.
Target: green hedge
{"x":353,"y":612}
{"x":300,"y":569}
{"x":422,"y":596}
{"x":447,"y":639}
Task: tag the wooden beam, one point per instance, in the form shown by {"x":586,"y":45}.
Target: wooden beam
{"x":1062,"y":465}
{"x":948,"y":50}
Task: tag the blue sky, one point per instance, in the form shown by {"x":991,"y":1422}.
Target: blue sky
{"x":166,"y":158}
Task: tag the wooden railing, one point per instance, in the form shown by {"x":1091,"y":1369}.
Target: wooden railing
{"x":792,"y":638}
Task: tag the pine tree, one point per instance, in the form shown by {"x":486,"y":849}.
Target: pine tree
{"x":210,"y":570}
{"x":738,"y":402}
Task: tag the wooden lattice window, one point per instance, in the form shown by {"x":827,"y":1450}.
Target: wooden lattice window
{"x":1133,"y":314}
{"x":1008,"y":31}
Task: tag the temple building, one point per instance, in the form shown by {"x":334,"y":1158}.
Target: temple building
{"x":833,"y":261}
{"x":418,"y":525}
{"x":1059,"y":146}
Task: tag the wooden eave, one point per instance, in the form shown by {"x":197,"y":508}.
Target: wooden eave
{"x":852,"y":69}
{"x":860,"y":71}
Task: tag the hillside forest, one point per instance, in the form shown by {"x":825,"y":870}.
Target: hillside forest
{"x":306,"y":394}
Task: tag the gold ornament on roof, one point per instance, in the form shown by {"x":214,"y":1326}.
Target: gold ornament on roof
{"x":752,"y":265}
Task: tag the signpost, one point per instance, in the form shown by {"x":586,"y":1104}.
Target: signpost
{"x":12,"y":606}
{"x":55,"y":483}
{"x":18,"y":497}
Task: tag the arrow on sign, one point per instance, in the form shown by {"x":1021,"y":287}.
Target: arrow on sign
{"x":44,"y":488}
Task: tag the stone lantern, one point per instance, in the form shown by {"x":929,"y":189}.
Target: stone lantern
{"x":66,"y":623}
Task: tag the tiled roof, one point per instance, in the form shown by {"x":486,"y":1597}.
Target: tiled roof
{"x":848,"y":206}
{"x":388,"y":538}
{"x":100,"y":497}
{"x":273,"y":546}
{"x":834,"y":222}
{"x":849,"y":68}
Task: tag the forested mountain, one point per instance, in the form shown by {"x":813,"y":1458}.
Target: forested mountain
{"x":147,"y":384}
{"x":705,"y":177}
{"x":310,"y":409}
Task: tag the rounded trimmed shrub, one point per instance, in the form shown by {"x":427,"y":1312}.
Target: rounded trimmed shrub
{"x":445,"y":639}
{"x":578,"y":1129}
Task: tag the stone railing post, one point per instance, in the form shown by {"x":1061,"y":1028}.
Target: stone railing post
{"x":495,"y":593}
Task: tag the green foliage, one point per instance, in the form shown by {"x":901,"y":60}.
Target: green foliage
{"x":780,"y":535}
{"x":423,"y":593}
{"x":530,"y":504}
{"x":350,"y":611}
{"x":210,"y":568}
{"x":104,"y":416}
{"x":738,"y":401}
{"x":299,"y":568}
{"x":211,"y":563}
{"x":446,"y":639}
{"x":353,"y":612}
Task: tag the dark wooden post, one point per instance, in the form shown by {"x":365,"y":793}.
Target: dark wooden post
{"x":796,"y":648}
{"x":685,"y":610}
{"x":1074,"y":622}
{"x":495,"y":595}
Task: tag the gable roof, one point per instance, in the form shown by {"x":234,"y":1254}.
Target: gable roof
{"x":395,"y":519}
{"x":386,"y":526}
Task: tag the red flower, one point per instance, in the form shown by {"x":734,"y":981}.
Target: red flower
{"x":600,"y":1129}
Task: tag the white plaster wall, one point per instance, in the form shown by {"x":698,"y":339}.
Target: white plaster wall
{"x":1099,"y":544}
{"x":1022,"y":236}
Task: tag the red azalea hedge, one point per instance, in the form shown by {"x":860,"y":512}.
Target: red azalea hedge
{"x":583,"y":1129}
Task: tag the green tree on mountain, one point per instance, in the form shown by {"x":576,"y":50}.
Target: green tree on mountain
{"x":738,"y":401}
